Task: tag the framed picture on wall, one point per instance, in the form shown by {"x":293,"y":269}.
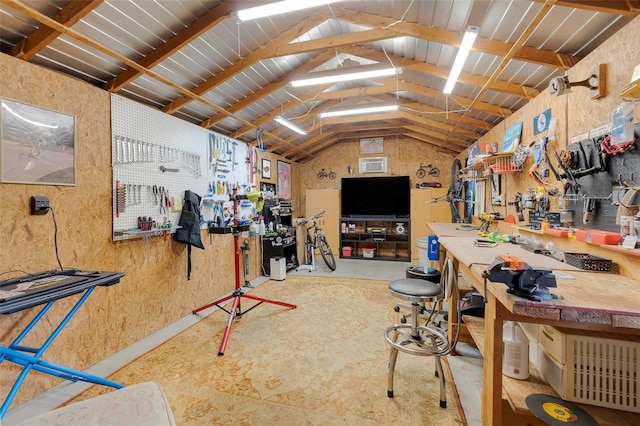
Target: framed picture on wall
{"x":266,"y":168}
{"x":284,"y":180}
{"x":38,"y":145}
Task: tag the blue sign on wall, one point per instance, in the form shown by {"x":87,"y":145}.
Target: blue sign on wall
{"x":434,"y":248}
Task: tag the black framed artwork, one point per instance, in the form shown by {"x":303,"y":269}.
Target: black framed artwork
{"x":266,"y":168}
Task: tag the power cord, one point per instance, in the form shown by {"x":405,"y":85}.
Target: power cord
{"x":55,"y":236}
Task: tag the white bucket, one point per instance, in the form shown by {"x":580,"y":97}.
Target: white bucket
{"x":515,"y":351}
{"x":423,"y":252}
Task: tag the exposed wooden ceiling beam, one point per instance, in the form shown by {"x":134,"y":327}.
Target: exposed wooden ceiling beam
{"x":201,"y":25}
{"x":533,"y":24}
{"x":270,"y":88}
{"x":623,"y":7}
{"x":69,"y":15}
{"x":32,"y":13}
{"x":441,"y":72}
{"x":459,"y":143}
{"x":263,"y":52}
{"x":453,"y":38}
{"x":435,"y":142}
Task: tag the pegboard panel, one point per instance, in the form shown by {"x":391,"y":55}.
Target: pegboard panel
{"x":155,"y":157}
{"x":600,"y":186}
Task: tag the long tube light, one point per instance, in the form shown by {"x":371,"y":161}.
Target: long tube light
{"x":280,"y":7}
{"x":463,"y":52}
{"x":290,"y":125}
{"x":360,"y":110}
{"x":346,"y":74}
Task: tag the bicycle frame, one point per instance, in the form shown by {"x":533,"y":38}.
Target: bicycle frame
{"x":315,"y":239}
{"x":310,"y":245}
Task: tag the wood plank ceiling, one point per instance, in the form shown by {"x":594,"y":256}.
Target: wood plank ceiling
{"x":195,"y":60}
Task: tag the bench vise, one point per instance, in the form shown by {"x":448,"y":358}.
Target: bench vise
{"x":522,"y":280}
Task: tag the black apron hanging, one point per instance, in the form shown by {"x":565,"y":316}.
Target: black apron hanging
{"x":189,"y":223}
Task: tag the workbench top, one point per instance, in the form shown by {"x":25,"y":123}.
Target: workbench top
{"x":591,"y":298}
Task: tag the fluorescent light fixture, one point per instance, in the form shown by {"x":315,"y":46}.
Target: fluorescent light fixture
{"x":346,"y":74}
{"x":467,"y":41}
{"x":280,"y":7}
{"x":290,"y":125}
{"x":359,"y":110}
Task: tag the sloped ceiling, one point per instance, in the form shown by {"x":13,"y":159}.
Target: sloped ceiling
{"x":195,"y":60}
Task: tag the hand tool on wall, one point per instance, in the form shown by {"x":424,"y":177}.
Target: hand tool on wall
{"x":590,"y":205}
{"x":154,"y":190}
{"x":121,"y":197}
{"x":518,"y":205}
{"x":567,"y":174}
{"x":166,"y":169}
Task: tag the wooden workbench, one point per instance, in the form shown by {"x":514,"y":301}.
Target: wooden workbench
{"x":589,"y":301}
{"x":597,"y":301}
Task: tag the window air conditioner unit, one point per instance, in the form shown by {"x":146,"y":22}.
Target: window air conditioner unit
{"x":373,"y":165}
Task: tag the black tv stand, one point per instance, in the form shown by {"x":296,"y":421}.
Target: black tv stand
{"x":376,"y":238}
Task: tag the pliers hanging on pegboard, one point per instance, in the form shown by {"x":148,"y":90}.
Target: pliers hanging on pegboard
{"x":163,"y":206}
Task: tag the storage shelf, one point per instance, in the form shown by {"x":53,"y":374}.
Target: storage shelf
{"x":515,"y":391}
{"x":500,"y":164}
{"x":474,"y":172}
{"x":388,"y":244}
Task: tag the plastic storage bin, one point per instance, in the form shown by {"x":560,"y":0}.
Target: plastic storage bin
{"x":346,"y":251}
{"x":592,"y":370}
{"x":368,"y":252}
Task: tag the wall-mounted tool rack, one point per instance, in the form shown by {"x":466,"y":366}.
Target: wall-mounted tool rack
{"x":156,"y":157}
{"x":600,"y":179}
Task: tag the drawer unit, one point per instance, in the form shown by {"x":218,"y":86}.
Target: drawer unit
{"x":592,"y":370}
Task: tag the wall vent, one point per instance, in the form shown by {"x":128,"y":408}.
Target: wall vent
{"x":373,"y":165}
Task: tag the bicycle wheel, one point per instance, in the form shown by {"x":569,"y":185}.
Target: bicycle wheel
{"x":455,"y":190}
{"x":332,"y":175}
{"x":435,"y":172}
{"x":421,"y":173}
{"x":326,"y":253}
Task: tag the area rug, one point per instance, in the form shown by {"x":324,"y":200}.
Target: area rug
{"x":324,"y":362}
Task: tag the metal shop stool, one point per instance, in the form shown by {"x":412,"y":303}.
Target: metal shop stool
{"x":414,"y":339}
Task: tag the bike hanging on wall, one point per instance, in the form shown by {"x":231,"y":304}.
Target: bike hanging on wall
{"x":429,"y":169}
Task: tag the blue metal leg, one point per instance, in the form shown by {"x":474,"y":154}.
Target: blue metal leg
{"x":14,"y":353}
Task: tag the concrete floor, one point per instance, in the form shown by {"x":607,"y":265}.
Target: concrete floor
{"x":466,"y":365}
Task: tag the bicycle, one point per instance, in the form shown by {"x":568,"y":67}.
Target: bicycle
{"x":323,"y":173}
{"x":455,"y":195}
{"x":317,"y":240}
{"x":429,"y":169}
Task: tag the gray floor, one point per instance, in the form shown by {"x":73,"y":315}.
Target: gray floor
{"x":466,"y":365}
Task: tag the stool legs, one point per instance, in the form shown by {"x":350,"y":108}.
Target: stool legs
{"x":426,"y":341}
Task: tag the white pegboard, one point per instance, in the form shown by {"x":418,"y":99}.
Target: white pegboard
{"x":144,"y":141}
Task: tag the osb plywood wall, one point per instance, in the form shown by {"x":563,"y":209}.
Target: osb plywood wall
{"x":575,"y":111}
{"x":403,"y":159}
{"x":154,"y":291}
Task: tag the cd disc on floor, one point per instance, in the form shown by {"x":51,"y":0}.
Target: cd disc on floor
{"x":555,"y":411}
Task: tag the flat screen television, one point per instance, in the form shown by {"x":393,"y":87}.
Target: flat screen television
{"x":386,"y":196}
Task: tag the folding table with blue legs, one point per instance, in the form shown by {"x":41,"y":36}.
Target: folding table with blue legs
{"x":46,"y":288}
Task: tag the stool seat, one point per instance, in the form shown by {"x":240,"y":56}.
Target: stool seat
{"x":414,"y":290}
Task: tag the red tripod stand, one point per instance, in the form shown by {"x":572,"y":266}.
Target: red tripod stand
{"x":237,"y":295}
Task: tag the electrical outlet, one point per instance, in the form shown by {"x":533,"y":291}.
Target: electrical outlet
{"x":39,"y":204}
